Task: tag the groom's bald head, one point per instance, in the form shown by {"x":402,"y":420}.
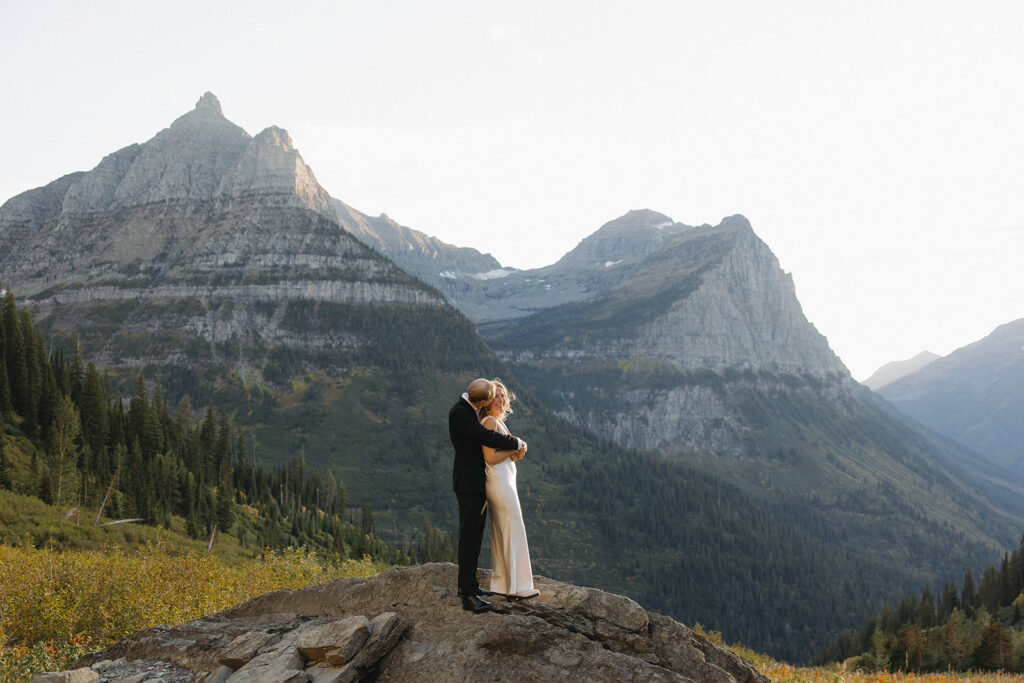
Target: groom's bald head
{"x":480,"y":390}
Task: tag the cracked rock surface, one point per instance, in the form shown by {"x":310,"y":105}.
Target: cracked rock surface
{"x":406,"y":624}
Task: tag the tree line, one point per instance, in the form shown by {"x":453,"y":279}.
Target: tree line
{"x":979,"y":626}
{"x":69,"y":439}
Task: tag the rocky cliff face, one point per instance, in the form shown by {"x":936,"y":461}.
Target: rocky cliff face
{"x":406,"y":624}
{"x":202,"y":236}
{"x":654,"y":324}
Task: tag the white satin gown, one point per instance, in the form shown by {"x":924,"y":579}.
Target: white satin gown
{"x":512,"y":573}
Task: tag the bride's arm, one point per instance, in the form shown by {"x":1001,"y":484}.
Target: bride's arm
{"x":491,"y":456}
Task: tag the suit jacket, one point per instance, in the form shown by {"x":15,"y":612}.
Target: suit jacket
{"x":468,"y":436}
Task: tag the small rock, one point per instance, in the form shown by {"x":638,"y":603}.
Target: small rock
{"x":286,"y":665}
{"x":76,"y":676}
{"x":336,"y":641}
{"x":218,"y":675}
{"x":243,"y":648}
{"x":107,"y":664}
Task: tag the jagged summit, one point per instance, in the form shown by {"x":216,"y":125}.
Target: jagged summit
{"x":209,"y":102}
{"x":201,"y":213}
{"x":276,"y":137}
{"x":209,"y":113}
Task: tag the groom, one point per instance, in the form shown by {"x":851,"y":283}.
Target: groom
{"x":468,"y":436}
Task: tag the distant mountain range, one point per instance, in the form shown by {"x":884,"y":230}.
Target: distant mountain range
{"x":890,"y":372}
{"x":694,"y":440}
{"x":974,"y":395}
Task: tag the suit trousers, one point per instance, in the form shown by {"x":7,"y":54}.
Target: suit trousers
{"x":472,"y":516}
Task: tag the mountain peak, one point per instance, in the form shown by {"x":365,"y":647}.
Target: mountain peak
{"x":639,"y":218}
{"x":273,"y":136}
{"x":209,"y":102}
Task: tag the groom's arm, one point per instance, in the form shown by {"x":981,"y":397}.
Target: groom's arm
{"x":484,"y":436}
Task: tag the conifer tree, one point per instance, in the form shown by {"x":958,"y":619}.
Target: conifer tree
{"x":92,"y":406}
{"x":64,"y":450}
{"x":366,"y":523}
{"x":947,"y":603}
{"x":1017,"y":570}
{"x":152,"y":432}
{"x":225,"y":507}
{"x":994,"y":648}
{"x":926,"y":612}
{"x":222,"y":460}
{"x":5,"y":471}
{"x":988,"y":589}
{"x":1006,"y":592}
{"x":14,"y":355}
{"x":33,"y":374}
{"x":969,"y":595}
{"x":75,"y":372}
{"x":49,"y":391}
{"x":138,"y":408}
{"x":207,"y":438}
{"x":6,"y":407}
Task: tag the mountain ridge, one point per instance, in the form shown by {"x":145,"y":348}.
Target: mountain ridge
{"x":973,"y":396}
{"x":695,"y":342}
{"x":898,"y":369}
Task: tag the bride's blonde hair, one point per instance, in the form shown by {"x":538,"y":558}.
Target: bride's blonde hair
{"x":509,"y":397}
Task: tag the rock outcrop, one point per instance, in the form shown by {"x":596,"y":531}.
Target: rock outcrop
{"x":201,"y":237}
{"x":406,"y":624}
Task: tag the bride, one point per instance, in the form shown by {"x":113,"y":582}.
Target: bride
{"x":512,"y":574}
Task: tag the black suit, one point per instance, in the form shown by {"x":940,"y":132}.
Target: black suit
{"x":468,"y":481}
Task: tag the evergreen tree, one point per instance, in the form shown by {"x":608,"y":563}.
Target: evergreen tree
{"x":947,"y":603}
{"x":5,"y":472}
{"x":988,"y":589}
{"x":1006,"y":592}
{"x":64,"y":450}
{"x":95,"y":422}
{"x":993,"y":650}
{"x":6,"y":406}
{"x":926,"y":611}
{"x":138,"y":409}
{"x":225,"y":508}
{"x":969,"y":595}
{"x":207,"y":437}
{"x":33,"y":375}
{"x":14,"y":355}
{"x":49,"y":392}
{"x":152,"y":431}
{"x":366,"y":523}
{"x":75,"y":373}
{"x":1017,"y":569}
{"x":222,"y":460}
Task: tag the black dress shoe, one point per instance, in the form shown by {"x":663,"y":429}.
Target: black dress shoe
{"x":476,"y":605}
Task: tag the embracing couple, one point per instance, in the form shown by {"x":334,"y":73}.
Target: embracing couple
{"x":485,"y":477}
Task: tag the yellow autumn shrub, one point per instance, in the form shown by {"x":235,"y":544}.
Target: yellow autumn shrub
{"x":71,"y":601}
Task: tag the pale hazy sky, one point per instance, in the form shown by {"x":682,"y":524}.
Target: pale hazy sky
{"x":876,"y":146}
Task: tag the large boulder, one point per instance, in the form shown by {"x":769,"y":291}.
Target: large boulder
{"x":407,"y":624}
